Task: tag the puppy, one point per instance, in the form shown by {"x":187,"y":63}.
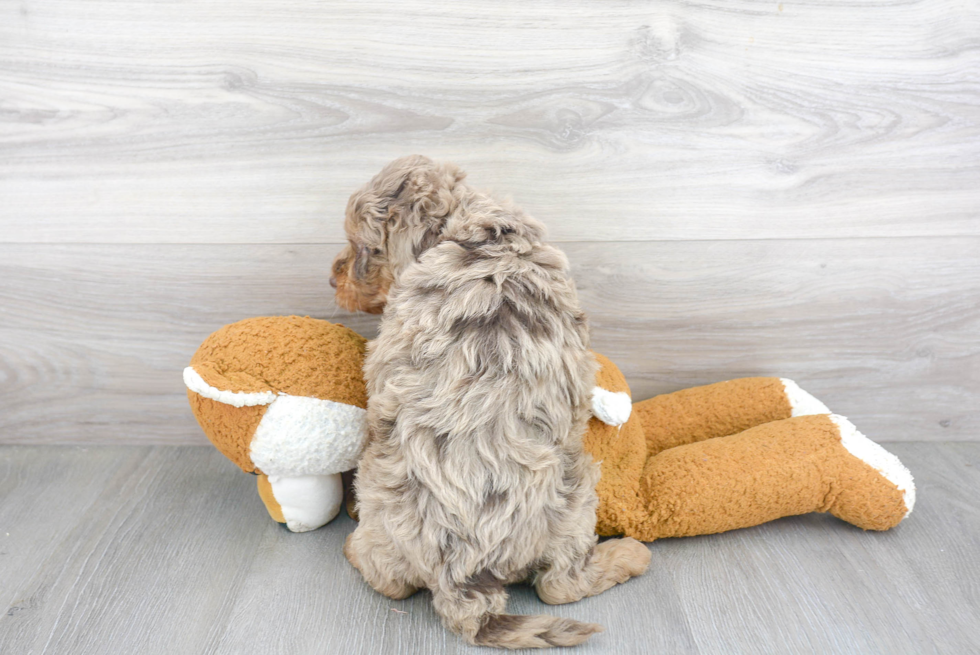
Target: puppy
{"x":479,"y":381}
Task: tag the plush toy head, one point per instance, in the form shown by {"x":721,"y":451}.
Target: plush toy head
{"x":284,"y":397}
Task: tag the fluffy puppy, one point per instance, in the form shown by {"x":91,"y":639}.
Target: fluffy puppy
{"x":474,"y":475}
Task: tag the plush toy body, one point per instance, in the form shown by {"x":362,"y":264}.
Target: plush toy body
{"x":736,"y":454}
{"x":284,"y":397}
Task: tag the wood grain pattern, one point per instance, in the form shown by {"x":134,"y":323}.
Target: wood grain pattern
{"x":743,"y":188}
{"x":94,"y":337}
{"x":163,"y":550}
{"x":218,"y":122}
{"x":118,"y":564}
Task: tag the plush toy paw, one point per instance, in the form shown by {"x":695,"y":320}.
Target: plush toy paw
{"x":876,"y":491}
{"x":303,"y":503}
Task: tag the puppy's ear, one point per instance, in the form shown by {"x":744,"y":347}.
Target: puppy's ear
{"x":427,"y":191}
{"x":429,"y":239}
{"x":360,"y":267}
{"x":401,"y":188}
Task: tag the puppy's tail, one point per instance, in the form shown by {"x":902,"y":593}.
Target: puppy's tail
{"x":538,"y":631}
{"x":476,"y":611}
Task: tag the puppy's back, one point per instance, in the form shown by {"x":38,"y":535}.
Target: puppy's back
{"x":479,"y":384}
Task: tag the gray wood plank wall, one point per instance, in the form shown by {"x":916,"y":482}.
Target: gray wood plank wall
{"x":743,"y":188}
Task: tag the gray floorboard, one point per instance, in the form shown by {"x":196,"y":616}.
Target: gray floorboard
{"x":169,"y":550}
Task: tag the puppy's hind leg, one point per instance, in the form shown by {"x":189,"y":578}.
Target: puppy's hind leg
{"x":475,"y":610}
{"x":610,"y":563}
{"x":381,"y":567}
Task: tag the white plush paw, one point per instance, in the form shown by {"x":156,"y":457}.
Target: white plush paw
{"x":308,"y":501}
{"x":875,"y":456}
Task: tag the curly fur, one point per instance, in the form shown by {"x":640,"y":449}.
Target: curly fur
{"x":479,"y":382}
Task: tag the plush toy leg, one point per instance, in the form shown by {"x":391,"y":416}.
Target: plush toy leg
{"x":795,"y":466}
{"x":303,"y":503}
{"x":721,"y":409}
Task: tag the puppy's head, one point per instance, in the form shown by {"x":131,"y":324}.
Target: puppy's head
{"x":390,"y":222}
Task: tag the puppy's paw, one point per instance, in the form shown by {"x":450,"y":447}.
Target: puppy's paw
{"x":623,"y":558}
{"x":349,"y":552}
{"x":636,"y":555}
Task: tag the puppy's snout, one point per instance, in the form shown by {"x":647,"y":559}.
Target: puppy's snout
{"x":337,"y":268}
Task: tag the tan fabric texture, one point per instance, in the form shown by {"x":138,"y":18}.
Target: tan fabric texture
{"x":622,"y":454}
{"x":783,"y":468}
{"x":661,"y":423}
{"x":271,"y":504}
{"x":725,"y":456}
{"x":714,"y":410}
{"x":229,"y":428}
{"x":609,"y":376}
{"x":297,"y":355}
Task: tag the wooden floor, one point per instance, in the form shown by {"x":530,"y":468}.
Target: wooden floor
{"x":147,"y":550}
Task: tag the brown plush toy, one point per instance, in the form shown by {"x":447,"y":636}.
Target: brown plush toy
{"x":284,"y":397}
{"x":733,"y":455}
